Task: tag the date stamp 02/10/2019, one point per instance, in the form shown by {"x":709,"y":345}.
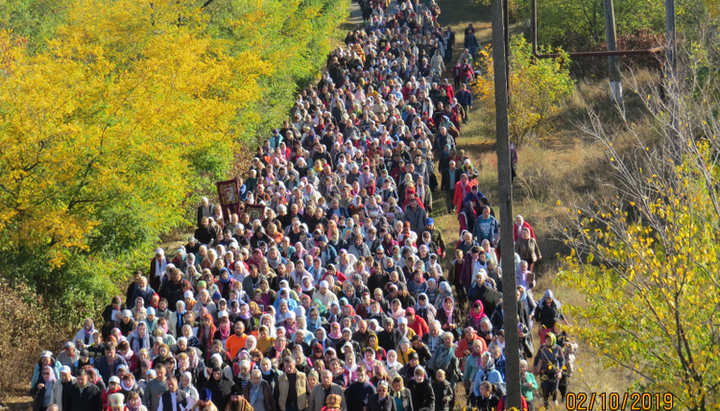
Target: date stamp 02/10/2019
{"x":613,"y":401}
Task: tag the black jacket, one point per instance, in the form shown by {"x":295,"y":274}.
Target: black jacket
{"x":443,"y":395}
{"x":181,"y":400}
{"x":407,"y":400}
{"x":357,"y":395}
{"x":390,"y":340}
{"x":547,"y":315}
{"x":375,"y":404}
{"x":422,"y":395}
{"x":89,"y":399}
{"x":445,"y":184}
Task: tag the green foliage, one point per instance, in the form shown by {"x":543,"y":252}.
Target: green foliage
{"x":115,"y":112}
{"x":579,"y":25}
{"x":538,"y":88}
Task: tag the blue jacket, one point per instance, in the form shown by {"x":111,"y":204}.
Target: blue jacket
{"x":465,"y":98}
{"x":492,"y":376}
{"x":485,"y":229}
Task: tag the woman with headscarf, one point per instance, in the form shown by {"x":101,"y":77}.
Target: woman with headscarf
{"x":392,"y":365}
{"x":374,"y":342}
{"x":140,"y":338}
{"x":449,"y":316}
{"x":335,"y":335}
{"x":186,"y":385}
{"x":220,"y":386}
{"x":445,"y":291}
{"x":321,"y":339}
{"x":42,"y":390}
{"x":314,"y":320}
{"x":424,"y":308}
{"x":225,"y":283}
{"x":467,"y":217}
{"x":444,"y":359}
{"x":396,"y":310}
{"x":206,"y":334}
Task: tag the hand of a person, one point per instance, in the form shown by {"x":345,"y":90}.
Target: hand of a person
{"x":41,"y":386}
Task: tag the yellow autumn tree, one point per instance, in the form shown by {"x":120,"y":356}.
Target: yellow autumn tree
{"x":107,"y":128}
{"x":538,"y":87}
{"x":647,"y":262}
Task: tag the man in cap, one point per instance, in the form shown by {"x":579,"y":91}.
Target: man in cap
{"x":69,"y":354}
{"x":66,"y":382}
{"x":435,"y":236}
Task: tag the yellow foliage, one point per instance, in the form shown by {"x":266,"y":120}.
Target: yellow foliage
{"x":537,"y":88}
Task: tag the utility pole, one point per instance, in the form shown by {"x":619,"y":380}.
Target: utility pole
{"x":670,"y":49}
{"x":510,"y":321}
{"x":616,"y":94}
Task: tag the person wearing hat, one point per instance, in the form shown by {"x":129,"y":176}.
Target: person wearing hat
{"x":324,"y":391}
{"x":157,"y":268}
{"x":416,"y":323}
{"x":69,"y":354}
{"x":60,"y":387}
{"x":126,"y":324}
{"x":333,"y":402}
{"x":220,"y":386}
{"x":112,"y":388}
{"x":436,"y":236}
{"x":408,"y":370}
{"x":548,"y":365}
{"x":204,"y":402}
{"x":547,"y":313}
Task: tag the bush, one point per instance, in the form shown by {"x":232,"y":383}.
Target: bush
{"x":27,"y":329}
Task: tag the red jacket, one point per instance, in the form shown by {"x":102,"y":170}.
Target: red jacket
{"x":460,"y":193}
{"x":419,"y":326}
{"x":516,"y":230}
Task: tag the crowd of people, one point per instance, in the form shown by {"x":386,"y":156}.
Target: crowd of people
{"x":343,"y":294}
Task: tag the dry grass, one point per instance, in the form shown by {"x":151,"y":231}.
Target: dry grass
{"x":562,"y":165}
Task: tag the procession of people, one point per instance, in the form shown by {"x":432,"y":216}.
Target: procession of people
{"x":339,"y":291}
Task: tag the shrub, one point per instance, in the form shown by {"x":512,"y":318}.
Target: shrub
{"x":26,"y":328}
